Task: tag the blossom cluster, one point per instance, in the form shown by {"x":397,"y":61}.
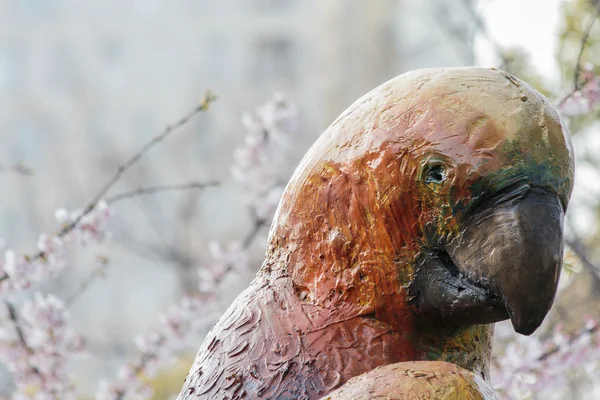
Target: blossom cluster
{"x":36,"y":340}
{"x":36,"y":351}
{"x":18,"y":272}
{"x":157,"y":351}
{"x":530,"y":364}
{"x":259,"y":161}
{"x":585,"y":98}
{"x":158,"y":348}
{"x":257,"y":166}
{"x":224,"y":259}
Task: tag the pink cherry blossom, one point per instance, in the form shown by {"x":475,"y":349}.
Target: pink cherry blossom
{"x":37,"y":353}
{"x":529,"y":364}
{"x":584,"y":99}
{"x":258,"y":163}
{"x":36,"y":340}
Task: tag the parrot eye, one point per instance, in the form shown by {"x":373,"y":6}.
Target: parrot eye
{"x":435,"y":174}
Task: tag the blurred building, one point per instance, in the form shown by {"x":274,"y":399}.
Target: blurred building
{"x":84,"y":84}
{"x":100,"y":70}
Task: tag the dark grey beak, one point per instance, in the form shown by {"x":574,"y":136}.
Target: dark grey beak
{"x":505,"y":263}
{"x":515,"y":249}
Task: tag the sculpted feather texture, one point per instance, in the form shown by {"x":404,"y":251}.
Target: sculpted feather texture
{"x":416,"y":380}
{"x":369,"y":261}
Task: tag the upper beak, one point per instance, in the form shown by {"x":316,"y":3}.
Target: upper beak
{"x":514,"y":248}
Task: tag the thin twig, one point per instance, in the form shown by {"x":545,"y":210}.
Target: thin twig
{"x":259,"y":222}
{"x":139,"y":367}
{"x":584,"y":39}
{"x":555,"y":349}
{"x":18,"y":168}
{"x":250,"y":236}
{"x":577,"y":71}
{"x":161,"y":188}
{"x":96,"y":273}
{"x":579,"y":250}
{"x":14,"y":318}
{"x":248,"y":240}
{"x":204,"y":104}
{"x":169,"y":129}
{"x":581,"y":253}
{"x":146,"y":357}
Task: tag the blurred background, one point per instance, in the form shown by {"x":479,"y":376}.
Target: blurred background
{"x":84,"y":84}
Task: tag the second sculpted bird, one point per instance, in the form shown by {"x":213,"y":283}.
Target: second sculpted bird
{"x":430,"y":209}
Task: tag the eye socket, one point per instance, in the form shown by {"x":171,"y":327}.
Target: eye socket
{"x":435,"y":174}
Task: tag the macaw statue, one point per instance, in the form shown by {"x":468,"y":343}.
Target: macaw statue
{"x":430,"y":209}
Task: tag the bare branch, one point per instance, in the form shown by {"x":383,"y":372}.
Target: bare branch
{"x":576,"y":73}
{"x":14,"y":318}
{"x":161,"y":188}
{"x":584,"y":39}
{"x":140,"y":366}
{"x":250,"y":236}
{"x":580,"y":251}
{"x":18,"y":168}
{"x":555,"y":349}
{"x":96,"y":273}
{"x":204,"y":104}
{"x":121,"y":169}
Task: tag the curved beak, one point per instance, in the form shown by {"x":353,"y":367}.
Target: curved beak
{"x":515,"y":249}
{"x":505,"y":263}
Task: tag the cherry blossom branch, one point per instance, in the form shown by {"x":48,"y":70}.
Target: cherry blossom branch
{"x":530,"y":364}
{"x":590,"y":328}
{"x":584,"y":39}
{"x":14,"y":318}
{"x":154,"y":344}
{"x":253,"y":233}
{"x":257,"y":165}
{"x":37,"y":357}
{"x":12,"y":312}
{"x":204,"y":105}
{"x":138,"y":369}
{"x":43,"y":364}
{"x":577,"y":85}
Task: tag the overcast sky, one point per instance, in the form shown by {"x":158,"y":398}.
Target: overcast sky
{"x":531,"y":24}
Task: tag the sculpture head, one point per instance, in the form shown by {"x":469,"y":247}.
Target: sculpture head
{"x":439,"y":195}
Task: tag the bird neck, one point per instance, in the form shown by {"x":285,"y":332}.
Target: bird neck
{"x":352,"y":294}
{"x":470,"y":347}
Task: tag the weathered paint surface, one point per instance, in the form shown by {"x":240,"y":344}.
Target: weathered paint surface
{"x":416,"y":380}
{"x":332,"y":299}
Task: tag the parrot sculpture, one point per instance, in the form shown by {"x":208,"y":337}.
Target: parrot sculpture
{"x":430,"y":209}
